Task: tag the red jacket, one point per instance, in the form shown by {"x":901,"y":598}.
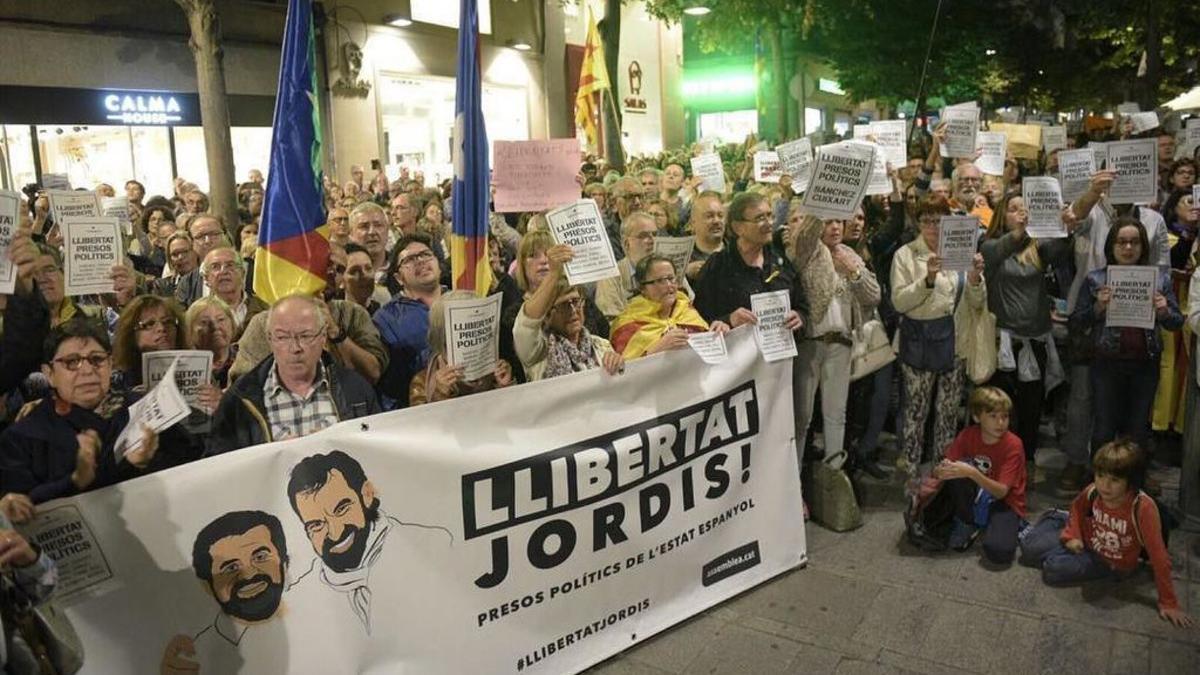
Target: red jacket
{"x":1118,"y":537}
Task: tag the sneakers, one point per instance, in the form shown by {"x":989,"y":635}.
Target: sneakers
{"x":962,"y":535}
{"x":1071,"y":480}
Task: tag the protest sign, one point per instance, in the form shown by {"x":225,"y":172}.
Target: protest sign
{"x":55,"y":181}
{"x":1100,"y":153}
{"x":72,"y":204}
{"x":392,"y":171}
{"x":961,"y":126}
{"x":1128,"y":108}
{"x":580,"y":226}
{"x":1024,"y":141}
{"x":766,"y":166}
{"x":862,"y":131}
{"x":879,"y":182}
{"x":64,"y":534}
{"x":775,"y":340}
{"x":1132,"y":301}
{"x":1143,"y":121}
{"x":1075,"y":169}
{"x":1191,"y":137}
{"x":1043,"y":200}
{"x":709,"y":346}
{"x":796,"y":158}
{"x":957,"y":237}
{"x":1136,"y":164}
{"x":193,"y":369}
{"x":891,"y":137}
{"x":547,"y":541}
{"x":1196,"y":196}
{"x":1053,"y":138}
{"x":535,"y":175}
{"x":91,"y":246}
{"x":117,"y":207}
{"x":840,"y":177}
{"x":709,"y":170}
{"x":158,"y":410}
{"x":473,"y":335}
{"x":678,"y":249}
{"x":10,"y":206}
{"x":995,"y":147}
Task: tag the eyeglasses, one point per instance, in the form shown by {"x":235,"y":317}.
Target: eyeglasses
{"x":410,"y":260}
{"x":207,"y":236}
{"x":929,"y":222}
{"x":970,"y":180}
{"x":221,"y":266}
{"x":572,"y":305}
{"x":670,"y":279}
{"x":299,"y":339}
{"x":180,"y":253}
{"x":761,"y":219}
{"x":1129,"y":242}
{"x":168,"y":324}
{"x":72,"y":362}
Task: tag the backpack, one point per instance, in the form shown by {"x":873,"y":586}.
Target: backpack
{"x":1166,"y":520}
{"x":929,"y":516}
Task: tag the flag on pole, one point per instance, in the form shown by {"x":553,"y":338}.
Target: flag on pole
{"x":593,"y":78}
{"x":469,"y":267}
{"x":292,"y":256}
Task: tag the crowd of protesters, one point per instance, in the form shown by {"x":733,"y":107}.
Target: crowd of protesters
{"x":373,"y":340}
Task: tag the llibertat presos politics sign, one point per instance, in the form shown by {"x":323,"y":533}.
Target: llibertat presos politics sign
{"x":570,"y":519}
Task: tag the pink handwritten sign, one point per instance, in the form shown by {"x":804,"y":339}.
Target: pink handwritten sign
{"x":535,"y":175}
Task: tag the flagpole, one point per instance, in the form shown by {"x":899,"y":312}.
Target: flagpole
{"x":616,"y":119}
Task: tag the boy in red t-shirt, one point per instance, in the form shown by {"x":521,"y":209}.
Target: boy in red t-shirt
{"x":1109,"y":525}
{"x":984,"y":474}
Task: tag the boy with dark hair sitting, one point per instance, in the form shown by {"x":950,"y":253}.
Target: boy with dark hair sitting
{"x":1110,"y":524}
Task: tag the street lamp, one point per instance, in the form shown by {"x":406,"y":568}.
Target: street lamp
{"x":696,"y":10}
{"x":990,"y":52}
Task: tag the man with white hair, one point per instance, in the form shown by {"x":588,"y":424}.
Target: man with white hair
{"x":224,"y":273}
{"x":637,"y":235}
{"x":296,"y":390}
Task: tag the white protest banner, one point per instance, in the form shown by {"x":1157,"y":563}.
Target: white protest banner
{"x":546,"y":541}
{"x":91,"y":246}
{"x":1100,"y":152}
{"x":840,"y":177}
{"x":891,"y":135}
{"x":10,"y":206}
{"x":473,"y":335}
{"x":961,"y":126}
{"x":709,"y":346}
{"x":1075,"y":169}
{"x":1132,"y":301}
{"x":1043,"y":200}
{"x":1053,"y":138}
{"x":193,"y":369}
{"x":775,"y":340}
{"x":117,"y":207}
{"x":73,"y":204}
{"x":766,"y":167}
{"x":159,"y":409}
{"x":709,"y":170}
{"x":55,"y":181}
{"x":879,"y":183}
{"x":1191,"y":137}
{"x":580,"y":226}
{"x":678,"y":249}
{"x":797,"y":159}
{"x":1136,"y":164}
{"x":995,"y":149}
{"x":1128,"y":108}
{"x":535,"y":175}
{"x":1143,"y":121}
{"x":957,"y":237}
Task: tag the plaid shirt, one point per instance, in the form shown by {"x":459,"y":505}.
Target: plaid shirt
{"x":293,"y":416}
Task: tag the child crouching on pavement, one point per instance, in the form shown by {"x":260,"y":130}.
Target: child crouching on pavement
{"x":983,"y":474}
{"x":1110,"y":523}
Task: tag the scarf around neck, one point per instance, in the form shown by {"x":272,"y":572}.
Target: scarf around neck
{"x":354,"y":582}
{"x":564,"y":358}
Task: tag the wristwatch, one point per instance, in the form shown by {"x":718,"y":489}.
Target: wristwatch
{"x":341,"y":337}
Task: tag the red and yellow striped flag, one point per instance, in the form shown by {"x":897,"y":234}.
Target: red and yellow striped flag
{"x":593,"y":78}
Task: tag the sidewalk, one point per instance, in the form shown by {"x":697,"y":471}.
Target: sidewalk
{"x":869,"y":603}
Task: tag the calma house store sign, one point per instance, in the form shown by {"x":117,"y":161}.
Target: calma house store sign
{"x":142,"y":108}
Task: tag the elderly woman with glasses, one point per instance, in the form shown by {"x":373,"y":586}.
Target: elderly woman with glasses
{"x":661,"y":317}
{"x":149,"y":323}
{"x":549,"y":333}
{"x":64,"y":444}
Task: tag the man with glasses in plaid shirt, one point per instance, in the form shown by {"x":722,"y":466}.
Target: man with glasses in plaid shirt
{"x":295,"y":391}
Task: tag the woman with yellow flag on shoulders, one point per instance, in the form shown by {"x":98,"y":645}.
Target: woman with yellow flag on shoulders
{"x":661,"y":317}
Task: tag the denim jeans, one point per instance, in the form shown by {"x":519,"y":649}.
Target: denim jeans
{"x":1076,"y":439}
{"x":999,"y":540}
{"x":1122,"y":399}
{"x":1042,"y":547}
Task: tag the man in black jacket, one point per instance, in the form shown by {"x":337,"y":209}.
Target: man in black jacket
{"x":294,"y":392}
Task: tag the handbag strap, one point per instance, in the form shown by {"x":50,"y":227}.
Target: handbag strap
{"x":17,"y":614}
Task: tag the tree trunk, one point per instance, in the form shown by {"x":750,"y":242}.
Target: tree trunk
{"x":1148,"y":83}
{"x":779,"y":83}
{"x":610,"y":115}
{"x":205,"y":42}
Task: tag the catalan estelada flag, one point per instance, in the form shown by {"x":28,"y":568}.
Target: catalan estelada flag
{"x":469,"y":267}
{"x":292,"y":255}
{"x":593,"y":79}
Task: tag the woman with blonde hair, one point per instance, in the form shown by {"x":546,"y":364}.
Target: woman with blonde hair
{"x":1014,"y":269}
{"x":211,"y":327}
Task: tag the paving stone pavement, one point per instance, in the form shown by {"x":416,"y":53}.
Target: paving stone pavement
{"x":867,"y":603}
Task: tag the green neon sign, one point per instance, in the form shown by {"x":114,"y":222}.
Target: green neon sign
{"x":718,"y":86}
